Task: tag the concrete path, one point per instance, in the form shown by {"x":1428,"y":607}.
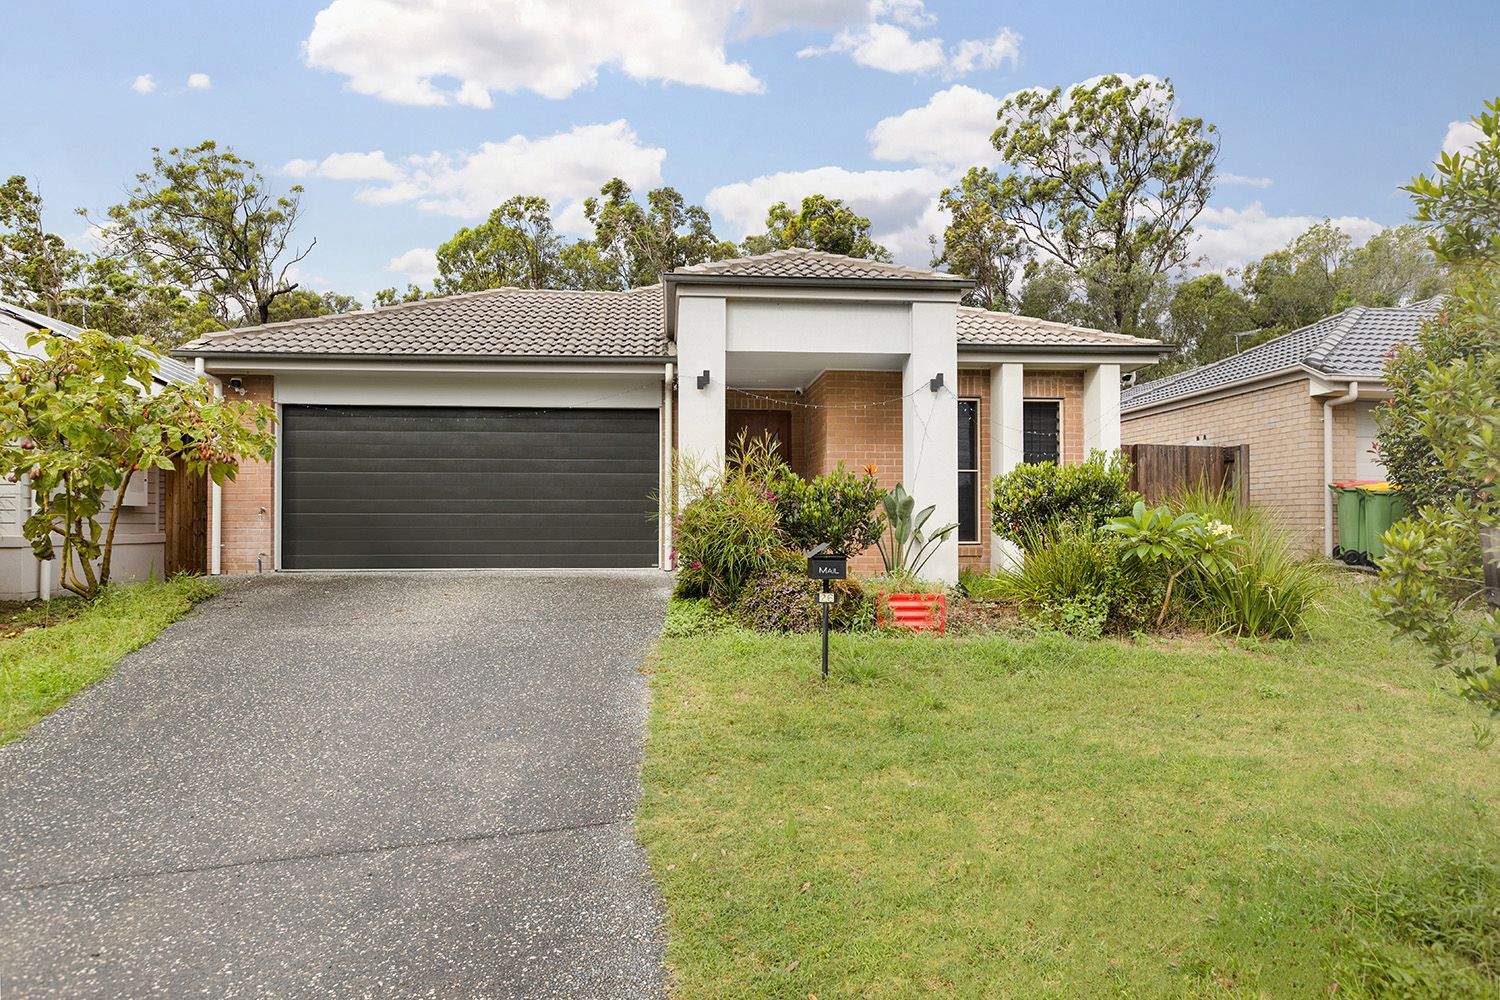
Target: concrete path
{"x":352,"y":786}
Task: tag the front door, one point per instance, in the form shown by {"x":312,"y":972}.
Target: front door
{"x":759,"y":423}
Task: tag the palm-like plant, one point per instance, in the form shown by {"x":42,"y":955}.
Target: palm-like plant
{"x":905,"y":549}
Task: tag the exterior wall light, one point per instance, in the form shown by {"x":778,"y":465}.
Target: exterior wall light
{"x":703,"y":379}
{"x":936,"y":383}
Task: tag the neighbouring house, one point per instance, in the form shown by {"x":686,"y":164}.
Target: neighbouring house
{"x":139,"y":539}
{"x":536,"y":428}
{"x":1304,"y":404}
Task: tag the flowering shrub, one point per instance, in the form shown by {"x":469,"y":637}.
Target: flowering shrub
{"x":787,"y":601}
{"x":1175,"y":543}
{"x":1031,"y":497}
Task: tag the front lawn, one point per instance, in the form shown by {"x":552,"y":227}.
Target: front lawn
{"x":988,"y":816}
{"x":48,"y":651}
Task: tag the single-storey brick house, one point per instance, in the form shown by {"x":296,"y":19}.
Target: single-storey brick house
{"x":139,"y":539}
{"x":1304,"y":404}
{"x":534,"y":428}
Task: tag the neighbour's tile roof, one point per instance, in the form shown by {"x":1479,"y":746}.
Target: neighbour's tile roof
{"x":799,"y":264}
{"x":23,"y":322}
{"x":1348,"y":344}
{"x":499,"y":322}
{"x":983,"y":328}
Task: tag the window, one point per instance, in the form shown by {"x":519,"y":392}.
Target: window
{"x":968,"y":470}
{"x":1039,"y":431}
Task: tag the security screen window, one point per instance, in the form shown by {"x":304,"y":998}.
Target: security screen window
{"x":1039,"y":431}
{"x":968,"y":470}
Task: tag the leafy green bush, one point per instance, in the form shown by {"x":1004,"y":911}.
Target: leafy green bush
{"x":1175,"y":542}
{"x":840,"y":508}
{"x":1030,"y":497}
{"x":787,"y":601}
{"x":729,"y":531}
{"x":1271,"y":591}
{"x":1072,"y":577}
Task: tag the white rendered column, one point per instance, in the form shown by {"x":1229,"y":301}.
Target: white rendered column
{"x":700,"y":412}
{"x":1007,"y":443}
{"x":1101,"y":409}
{"x":929,"y":427}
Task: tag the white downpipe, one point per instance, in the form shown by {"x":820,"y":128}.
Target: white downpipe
{"x":1328,"y":404}
{"x":669,"y":473}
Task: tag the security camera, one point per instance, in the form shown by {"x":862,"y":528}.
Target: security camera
{"x":238,"y":385}
{"x":798,"y":390}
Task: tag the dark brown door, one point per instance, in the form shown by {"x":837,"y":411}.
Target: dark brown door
{"x":758,"y":423}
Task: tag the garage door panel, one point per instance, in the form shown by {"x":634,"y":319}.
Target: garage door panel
{"x":406,"y":488}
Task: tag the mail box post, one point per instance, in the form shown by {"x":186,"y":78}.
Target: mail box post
{"x":827,"y":567}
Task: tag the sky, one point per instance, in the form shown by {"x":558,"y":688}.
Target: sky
{"x":407,"y":119}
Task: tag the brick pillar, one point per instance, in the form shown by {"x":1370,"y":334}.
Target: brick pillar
{"x":248,"y":501}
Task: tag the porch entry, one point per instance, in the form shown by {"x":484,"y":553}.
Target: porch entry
{"x":758,"y":423}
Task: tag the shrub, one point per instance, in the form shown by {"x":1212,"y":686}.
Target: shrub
{"x":1073,"y":575}
{"x":840,"y":508}
{"x":1031,"y":497}
{"x":1270,"y":592}
{"x":1175,"y":543}
{"x":787,"y":601}
{"x":906,"y":548}
{"x":729,"y":532}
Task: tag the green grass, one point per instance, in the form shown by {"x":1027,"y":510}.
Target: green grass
{"x":990,"y":817}
{"x":49,"y":652}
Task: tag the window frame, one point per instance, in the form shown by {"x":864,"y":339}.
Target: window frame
{"x":1057,"y":404}
{"x":978,"y":460}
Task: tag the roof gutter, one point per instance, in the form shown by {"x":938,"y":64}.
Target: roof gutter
{"x":516,"y":359}
{"x":1328,"y":405}
{"x":1149,"y":350}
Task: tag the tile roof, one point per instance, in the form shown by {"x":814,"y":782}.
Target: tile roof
{"x":799,"y":264}
{"x":499,"y":322}
{"x":23,"y":322}
{"x":1347,"y":344}
{"x":983,"y":328}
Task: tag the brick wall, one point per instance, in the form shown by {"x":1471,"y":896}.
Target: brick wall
{"x":248,"y":533}
{"x":975,"y":384}
{"x":1283,"y":426}
{"x":859,"y":426}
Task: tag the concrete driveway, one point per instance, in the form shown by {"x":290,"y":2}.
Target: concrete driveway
{"x":354,"y":786}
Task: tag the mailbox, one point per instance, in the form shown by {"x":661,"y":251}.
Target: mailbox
{"x":828,"y":567}
{"x":824,"y":565}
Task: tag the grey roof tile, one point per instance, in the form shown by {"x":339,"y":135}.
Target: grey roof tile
{"x":798,"y":263}
{"x":1352,"y":343}
{"x":500,"y":322}
{"x":983,"y":327}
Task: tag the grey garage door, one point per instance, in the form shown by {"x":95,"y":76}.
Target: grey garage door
{"x":379,"y":487}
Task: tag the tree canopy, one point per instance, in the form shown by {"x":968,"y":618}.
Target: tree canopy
{"x":205,"y":220}
{"x":821,"y":223}
{"x":1107,"y":181}
{"x":640,"y":242}
{"x":979,"y":242}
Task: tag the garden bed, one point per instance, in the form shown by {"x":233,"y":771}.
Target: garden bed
{"x":991,"y":816}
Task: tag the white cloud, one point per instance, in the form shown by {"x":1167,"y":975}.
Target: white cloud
{"x":418,"y":265}
{"x":143,"y":84}
{"x":886,"y":42}
{"x":768,"y":17}
{"x":199,"y":81}
{"x":431,"y":52}
{"x":1462,"y":137}
{"x":898,"y":203}
{"x":372,"y":166}
{"x":972,"y":54}
{"x":1241,"y":180}
{"x":1229,"y":237}
{"x":952,"y":129}
{"x":563,"y":168}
